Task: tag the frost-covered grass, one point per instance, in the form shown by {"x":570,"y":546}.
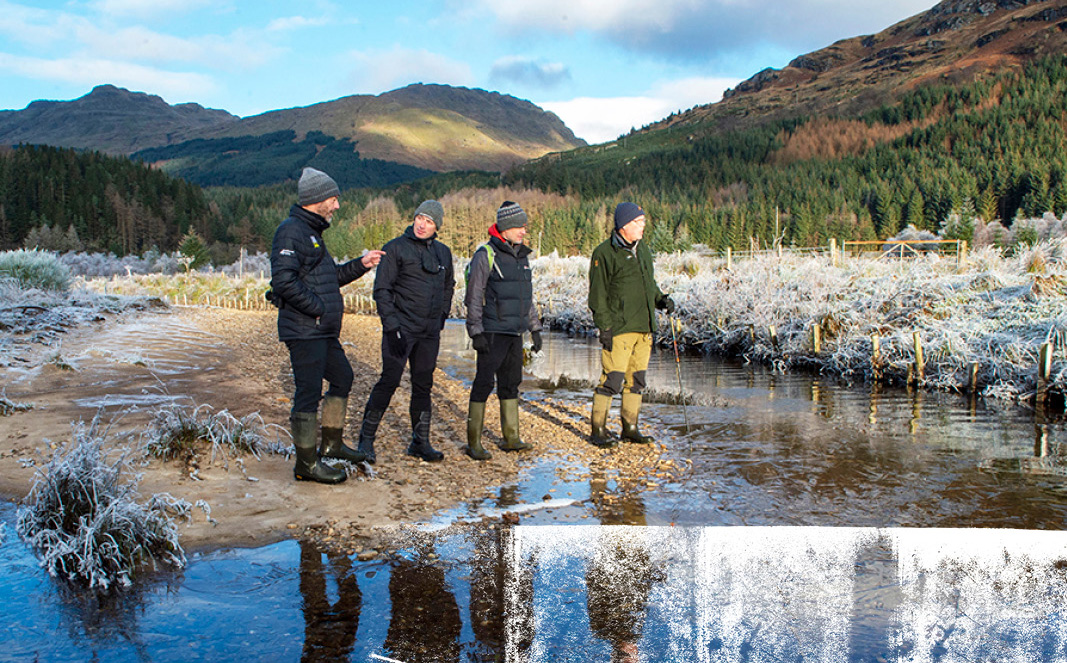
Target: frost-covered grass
{"x":83,"y":520}
{"x":184,"y":433}
{"x":9,"y":407}
{"x":40,"y":270}
{"x":995,"y":312}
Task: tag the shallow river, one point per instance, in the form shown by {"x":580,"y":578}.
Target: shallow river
{"x":818,"y":521}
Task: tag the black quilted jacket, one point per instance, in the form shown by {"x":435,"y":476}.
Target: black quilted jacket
{"x":304,"y":275}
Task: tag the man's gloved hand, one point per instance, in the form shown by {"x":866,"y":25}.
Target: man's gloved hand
{"x":666,"y":303}
{"x":395,"y":341}
{"x":606,"y":339}
{"x":537,"y":343}
{"x":480,"y":342}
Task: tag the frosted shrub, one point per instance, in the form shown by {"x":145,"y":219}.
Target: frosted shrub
{"x":35,"y":270}
{"x":83,"y":520}
{"x":9,"y":407}
{"x":178,"y":433}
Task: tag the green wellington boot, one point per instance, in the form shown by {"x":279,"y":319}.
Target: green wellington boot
{"x":334,"y":409}
{"x":475,"y":423}
{"x":600,"y":436}
{"x":631,"y":408}
{"x":509,"y":426}
{"x":308,"y":466}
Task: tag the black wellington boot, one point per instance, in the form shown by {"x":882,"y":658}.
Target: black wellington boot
{"x":368,"y":430}
{"x":420,"y":438}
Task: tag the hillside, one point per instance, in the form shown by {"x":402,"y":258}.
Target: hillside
{"x":376,"y":140}
{"x":108,"y":119}
{"x":957,"y":41}
{"x":436,"y":127}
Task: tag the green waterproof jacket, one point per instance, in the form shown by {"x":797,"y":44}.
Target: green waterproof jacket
{"x":623,"y":294}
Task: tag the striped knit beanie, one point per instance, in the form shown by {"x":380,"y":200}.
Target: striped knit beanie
{"x":509,"y":216}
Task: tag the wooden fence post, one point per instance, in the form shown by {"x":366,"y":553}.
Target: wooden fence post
{"x":816,"y":338}
{"x":729,"y":258}
{"x":920,"y":364}
{"x":833,"y":252}
{"x":1044,"y":370}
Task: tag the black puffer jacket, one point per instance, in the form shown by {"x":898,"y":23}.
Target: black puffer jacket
{"x":414,"y":284}
{"x":305,"y":277}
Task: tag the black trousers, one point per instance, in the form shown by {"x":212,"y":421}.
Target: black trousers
{"x":502,"y":364}
{"x":421,"y":354}
{"x":313,"y":361}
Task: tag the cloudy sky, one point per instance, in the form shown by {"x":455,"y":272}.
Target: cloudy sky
{"x":603,"y":66}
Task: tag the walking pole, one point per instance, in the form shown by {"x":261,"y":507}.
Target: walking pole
{"x":678,"y":371}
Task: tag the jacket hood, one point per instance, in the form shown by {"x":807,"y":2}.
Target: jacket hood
{"x":518,"y":249}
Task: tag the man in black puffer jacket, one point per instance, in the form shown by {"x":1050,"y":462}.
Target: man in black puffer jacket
{"x":413,"y":291}
{"x":306,"y":286}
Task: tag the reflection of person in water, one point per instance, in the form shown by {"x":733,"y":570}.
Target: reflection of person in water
{"x":425,"y":624}
{"x":329,"y":629}
{"x":621,"y":573}
{"x":501,"y":594}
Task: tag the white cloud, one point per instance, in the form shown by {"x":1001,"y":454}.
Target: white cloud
{"x":295,"y":23}
{"x":519,"y":70}
{"x":699,"y":29}
{"x":605,"y":118}
{"x":148,"y":8}
{"x":377,"y":71}
{"x":90,"y":72}
{"x":37,"y":27}
{"x":141,"y":44}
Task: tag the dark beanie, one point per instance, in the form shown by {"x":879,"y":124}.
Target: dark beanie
{"x":315,"y":186}
{"x":509,"y":216}
{"x":432,"y":209}
{"x":625,"y":213}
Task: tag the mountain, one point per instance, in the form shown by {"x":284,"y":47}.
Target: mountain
{"x":436,"y":127}
{"x":108,"y":119}
{"x":956,"y":41}
{"x":377,"y":140}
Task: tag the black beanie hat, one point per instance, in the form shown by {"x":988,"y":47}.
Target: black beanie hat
{"x":625,"y":213}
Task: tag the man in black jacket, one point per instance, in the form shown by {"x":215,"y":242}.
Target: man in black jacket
{"x":306,"y":286}
{"x":413,"y":291}
{"x":500,"y":308}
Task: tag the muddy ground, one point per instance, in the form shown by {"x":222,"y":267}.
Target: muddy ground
{"x":125,"y":368}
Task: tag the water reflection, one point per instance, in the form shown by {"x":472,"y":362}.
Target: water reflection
{"x":425,"y":622}
{"x":862,"y":471}
{"x":330,"y":622}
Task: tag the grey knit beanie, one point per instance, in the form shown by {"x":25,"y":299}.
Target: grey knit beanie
{"x":509,"y":216}
{"x":625,"y":213}
{"x":432,"y":209}
{"x":315,"y":186}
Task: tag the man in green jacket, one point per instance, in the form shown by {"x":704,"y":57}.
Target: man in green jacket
{"x":623,"y":296}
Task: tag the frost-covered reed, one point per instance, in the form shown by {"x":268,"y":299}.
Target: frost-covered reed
{"x":83,"y":520}
{"x":991,"y":314}
{"x":9,"y":407}
{"x":185,"y":433}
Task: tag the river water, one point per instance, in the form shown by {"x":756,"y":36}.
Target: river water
{"x":817,"y":521}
